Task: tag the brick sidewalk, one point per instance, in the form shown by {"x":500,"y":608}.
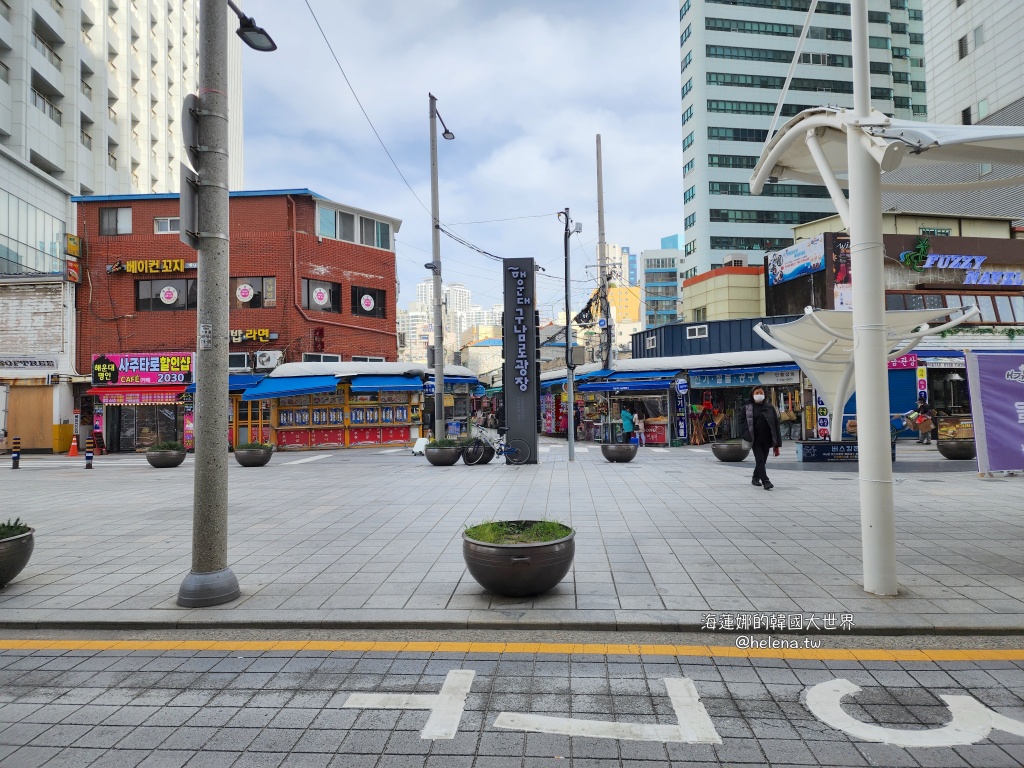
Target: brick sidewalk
{"x":372,"y":538}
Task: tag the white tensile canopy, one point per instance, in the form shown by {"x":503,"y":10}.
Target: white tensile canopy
{"x":821,"y":343}
{"x":812,"y":147}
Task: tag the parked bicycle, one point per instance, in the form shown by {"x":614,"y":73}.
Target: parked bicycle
{"x":515,"y":451}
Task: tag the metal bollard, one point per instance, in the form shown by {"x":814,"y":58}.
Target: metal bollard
{"x":16,"y":453}
{"x":90,"y":444}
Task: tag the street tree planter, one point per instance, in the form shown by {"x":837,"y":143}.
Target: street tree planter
{"x":519,"y":569}
{"x":730,"y":450}
{"x":15,"y":550}
{"x":255,"y":456}
{"x":958,"y":450}
{"x":619,"y":452}
{"x":443,"y":453}
{"x":165,"y":459}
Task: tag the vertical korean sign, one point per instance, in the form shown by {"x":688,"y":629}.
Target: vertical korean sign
{"x":519,"y":371}
{"x":996,"y":383}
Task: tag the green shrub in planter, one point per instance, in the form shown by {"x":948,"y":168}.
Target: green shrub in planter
{"x":11,"y":529}
{"x":253,"y":447}
{"x":444,"y":442}
{"x":169,"y":446}
{"x":16,"y":543}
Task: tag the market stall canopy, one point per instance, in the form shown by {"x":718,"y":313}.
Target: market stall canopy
{"x":691,"y":362}
{"x":347,"y":369}
{"x":236,"y":382}
{"x":291,"y":386}
{"x":386,"y":384}
{"x":811,"y":147}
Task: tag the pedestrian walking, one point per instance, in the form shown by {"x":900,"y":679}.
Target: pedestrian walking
{"x":761,"y":427}
{"x":638,"y":425}
{"x":627,"y":424}
{"x":924,"y":421}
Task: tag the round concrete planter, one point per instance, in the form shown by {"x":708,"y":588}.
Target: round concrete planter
{"x":443,"y":457}
{"x":959,"y":450}
{"x":14,"y":555}
{"x":519,"y":570}
{"x":730,"y":451}
{"x":486,"y":458}
{"x":619,"y":452}
{"x":165,"y":459}
{"x":253,"y":457}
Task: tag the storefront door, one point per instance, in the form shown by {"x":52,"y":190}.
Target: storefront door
{"x":252,"y":421}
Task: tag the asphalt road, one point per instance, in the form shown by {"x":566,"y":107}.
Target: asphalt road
{"x":524,"y":699}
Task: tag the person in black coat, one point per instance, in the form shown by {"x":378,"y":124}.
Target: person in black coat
{"x":761,"y":427}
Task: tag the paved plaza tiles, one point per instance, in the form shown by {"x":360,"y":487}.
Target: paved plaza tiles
{"x":371,"y":538}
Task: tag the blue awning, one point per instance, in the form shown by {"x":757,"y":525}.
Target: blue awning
{"x":290,"y":386}
{"x":386,"y":383}
{"x":236,"y":382}
{"x":593,"y":374}
{"x":554,"y":383}
{"x":457,"y":380}
{"x":625,"y":375}
{"x":629,"y":385}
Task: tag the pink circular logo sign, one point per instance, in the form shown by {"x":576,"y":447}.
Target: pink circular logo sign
{"x":367,"y":303}
{"x":320,"y":296}
{"x":168,"y":294}
{"x":244,"y":292}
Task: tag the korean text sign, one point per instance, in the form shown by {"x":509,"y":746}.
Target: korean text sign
{"x":520,"y":368}
{"x":142,"y":368}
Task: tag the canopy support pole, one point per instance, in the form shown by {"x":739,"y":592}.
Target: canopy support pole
{"x":877,"y":505}
{"x":828,"y":176}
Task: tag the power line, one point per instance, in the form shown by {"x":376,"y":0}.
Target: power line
{"x":511,"y":218}
{"x":363,"y":109}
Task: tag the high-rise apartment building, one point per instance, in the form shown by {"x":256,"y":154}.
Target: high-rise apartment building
{"x":974,"y":76}
{"x":90,"y":104}
{"x":734,"y":57}
{"x":661,"y":285}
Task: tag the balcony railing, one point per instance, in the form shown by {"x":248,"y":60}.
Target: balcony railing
{"x":87,"y":89}
{"x":112,"y":160}
{"x":48,"y":109}
{"x":111,"y":113}
{"x":86,"y":140}
{"x":5,"y":9}
{"x":5,"y":73}
{"x":44,"y":48}
{"x":87,"y":39}
{"x":57,"y":5}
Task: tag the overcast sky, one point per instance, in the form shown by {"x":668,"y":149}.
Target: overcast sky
{"x":524,"y":85}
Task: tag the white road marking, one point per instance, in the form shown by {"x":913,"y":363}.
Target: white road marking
{"x":544,"y":448}
{"x":695,"y":726}
{"x":581,"y":449}
{"x":700,"y":450}
{"x":971,"y":721}
{"x":446,"y":707}
{"x":392,"y":450}
{"x":659,"y":450}
{"x":303,"y":461}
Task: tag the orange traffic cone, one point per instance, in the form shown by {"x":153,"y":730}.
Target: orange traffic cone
{"x":74,"y":446}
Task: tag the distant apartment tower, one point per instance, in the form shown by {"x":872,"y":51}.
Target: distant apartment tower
{"x":974,"y":76}
{"x":661,"y":283}
{"x":734,"y":57}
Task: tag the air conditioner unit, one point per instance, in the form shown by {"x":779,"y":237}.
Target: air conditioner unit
{"x":268,"y":359}
{"x":238,"y":362}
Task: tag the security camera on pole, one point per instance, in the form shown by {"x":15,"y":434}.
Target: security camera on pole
{"x":204,"y":226}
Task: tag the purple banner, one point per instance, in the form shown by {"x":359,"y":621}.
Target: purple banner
{"x":996,"y":382}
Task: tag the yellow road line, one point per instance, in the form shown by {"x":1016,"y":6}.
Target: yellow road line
{"x":596,"y":649}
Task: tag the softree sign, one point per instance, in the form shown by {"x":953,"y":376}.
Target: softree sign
{"x":519,"y":378}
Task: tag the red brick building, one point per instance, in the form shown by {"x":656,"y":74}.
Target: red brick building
{"x":310,"y":279}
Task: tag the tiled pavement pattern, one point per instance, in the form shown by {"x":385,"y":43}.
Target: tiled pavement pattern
{"x":214,"y":710}
{"x":372,"y":538}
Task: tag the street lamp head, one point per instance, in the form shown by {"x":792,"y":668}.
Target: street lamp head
{"x":447,"y":134}
{"x":253,"y":36}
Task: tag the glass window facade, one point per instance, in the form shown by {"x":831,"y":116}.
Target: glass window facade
{"x":255,"y":293}
{"x":31,"y":241}
{"x":775,"y":83}
{"x":166,"y":295}
{"x":321,"y":296}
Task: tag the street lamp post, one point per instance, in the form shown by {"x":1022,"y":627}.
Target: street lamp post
{"x":435,"y":267}
{"x":211,"y":581}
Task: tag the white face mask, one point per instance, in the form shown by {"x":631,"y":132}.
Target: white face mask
{"x":758,"y":398}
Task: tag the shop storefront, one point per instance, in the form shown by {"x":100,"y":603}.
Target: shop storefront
{"x":325,"y":411}
{"x":717,"y":397}
{"x":650,"y":393}
{"x":248,"y":422}
{"x":458,"y":402}
{"x":138,"y":399}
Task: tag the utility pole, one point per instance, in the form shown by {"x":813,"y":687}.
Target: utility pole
{"x":569,"y":364}
{"x":602,"y":265}
{"x":211,"y":581}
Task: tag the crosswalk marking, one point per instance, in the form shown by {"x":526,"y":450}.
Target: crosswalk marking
{"x":660,"y":450}
{"x":392,"y":450}
{"x":303,"y":461}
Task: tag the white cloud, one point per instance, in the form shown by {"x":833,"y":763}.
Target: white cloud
{"x":525,"y":87}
